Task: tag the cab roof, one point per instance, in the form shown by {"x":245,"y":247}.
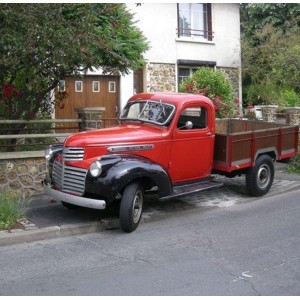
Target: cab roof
{"x":172,"y":98}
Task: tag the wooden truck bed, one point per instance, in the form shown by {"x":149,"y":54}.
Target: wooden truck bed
{"x":239,"y":142}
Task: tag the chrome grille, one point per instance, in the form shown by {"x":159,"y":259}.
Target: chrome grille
{"x":73,"y":154}
{"x":74,"y":180}
{"x":69,"y":179}
{"x":57,"y":173}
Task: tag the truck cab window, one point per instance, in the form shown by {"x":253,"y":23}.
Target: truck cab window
{"x":196,"y":115}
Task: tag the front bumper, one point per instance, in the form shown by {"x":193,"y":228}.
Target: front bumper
{"x":72,"y":199}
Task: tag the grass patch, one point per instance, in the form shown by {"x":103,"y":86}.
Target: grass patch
{"x":294,"y":166}
{"x":13,"y":206}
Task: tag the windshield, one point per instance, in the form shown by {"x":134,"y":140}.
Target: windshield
{"x":148,"y":111}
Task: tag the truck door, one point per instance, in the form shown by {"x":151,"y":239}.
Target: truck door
{"x":193,"y":145}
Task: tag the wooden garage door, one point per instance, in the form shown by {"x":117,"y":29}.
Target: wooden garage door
{"x":90,"y":91}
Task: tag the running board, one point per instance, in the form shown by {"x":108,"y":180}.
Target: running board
{"x":183,"y":190}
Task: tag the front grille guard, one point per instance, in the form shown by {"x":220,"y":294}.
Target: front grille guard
{"x":69,"y":179}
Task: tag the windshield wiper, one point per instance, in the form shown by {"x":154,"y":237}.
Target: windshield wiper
{"x":141,"y":113}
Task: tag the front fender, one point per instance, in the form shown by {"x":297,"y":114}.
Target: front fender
{"x":119,"y":170}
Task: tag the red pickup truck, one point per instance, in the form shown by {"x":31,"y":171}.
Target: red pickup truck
{"x":170,"y":143}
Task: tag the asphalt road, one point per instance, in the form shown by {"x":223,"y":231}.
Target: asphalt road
{"x":252,"y":248}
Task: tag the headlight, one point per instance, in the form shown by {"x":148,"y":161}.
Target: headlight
{"x":52,"y":150}
{"x":48,"y":154}
{"x":95,"y":168}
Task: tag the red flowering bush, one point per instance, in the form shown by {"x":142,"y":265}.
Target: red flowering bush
{"x":20,"y":100}
{"x":9,"y":91}
{"x":250,"y":112}
{"x":26,"y":104}
{"x":214,"y":85}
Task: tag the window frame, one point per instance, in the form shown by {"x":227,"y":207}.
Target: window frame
{"x":61,"y":83}
{"x":207,"y":34}
{"x":81,"y":86}
{"x":191,"y":71}
{"x":114,"y":87}
{"x":193,"y":110}
{"x":98,"y":85}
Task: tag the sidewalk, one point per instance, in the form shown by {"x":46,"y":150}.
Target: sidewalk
{"x":48,"y":219}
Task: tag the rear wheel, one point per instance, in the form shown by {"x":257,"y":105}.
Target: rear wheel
{"x":131,"y":207}
{"x":259,"y":178}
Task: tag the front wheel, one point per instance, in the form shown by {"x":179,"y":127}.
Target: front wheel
{"x":259,"y":178}
{"x":131,"y":207}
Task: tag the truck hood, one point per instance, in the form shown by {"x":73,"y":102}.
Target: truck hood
{"x":120,"y":135}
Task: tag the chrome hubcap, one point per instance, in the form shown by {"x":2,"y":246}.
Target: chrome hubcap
{"x":263,"y":176}
{"x":137,"y":206}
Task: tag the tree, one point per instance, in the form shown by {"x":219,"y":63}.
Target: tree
{"x":256,"y":15}
{"x":42,"y":43}
{"x":270,"y":52}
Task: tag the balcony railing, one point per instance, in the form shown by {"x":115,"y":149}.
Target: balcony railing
{"x":195,"y":33}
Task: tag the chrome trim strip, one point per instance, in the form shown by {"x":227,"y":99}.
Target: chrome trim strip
{"x":73,"y":153}
{"x":265,"y":150}
{"x":283,"y":152}
{"x":130,"y":148}
{"x":236,"y":163}
{"x":72,"y":199}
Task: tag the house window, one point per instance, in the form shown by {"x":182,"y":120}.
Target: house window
{"x":78,"y":86}
{"x":112,"y":87}
{"x":96,"y":86}
{"x":186,"y":68}
{"x":184,"y":73}
{"x":61,"y":86}
{"x":194,"y":20}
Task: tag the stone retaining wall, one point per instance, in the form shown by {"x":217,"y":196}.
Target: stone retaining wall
{"x":25,"y":171}
{"x":23,"y":174}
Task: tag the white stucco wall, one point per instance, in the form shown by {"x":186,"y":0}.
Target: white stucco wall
{"x":226,"y":25}
{"x":158,"y":21}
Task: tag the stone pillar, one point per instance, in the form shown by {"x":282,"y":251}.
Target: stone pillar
{"x":91,"y":117}
{"x":269,"y":113}
{"x":292,"y":115}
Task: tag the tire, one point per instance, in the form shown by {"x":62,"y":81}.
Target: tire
{"x":69,"y":205}
{"x":259,"y":178}
{"x":131,"y":207}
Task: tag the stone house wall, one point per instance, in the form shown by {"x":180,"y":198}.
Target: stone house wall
{"x":232,"y":74}
{"x":162,"y":78}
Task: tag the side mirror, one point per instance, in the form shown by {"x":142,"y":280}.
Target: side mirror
{"x":188,"y":125}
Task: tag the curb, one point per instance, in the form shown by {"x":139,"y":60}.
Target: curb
{"x":32,"y":235}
